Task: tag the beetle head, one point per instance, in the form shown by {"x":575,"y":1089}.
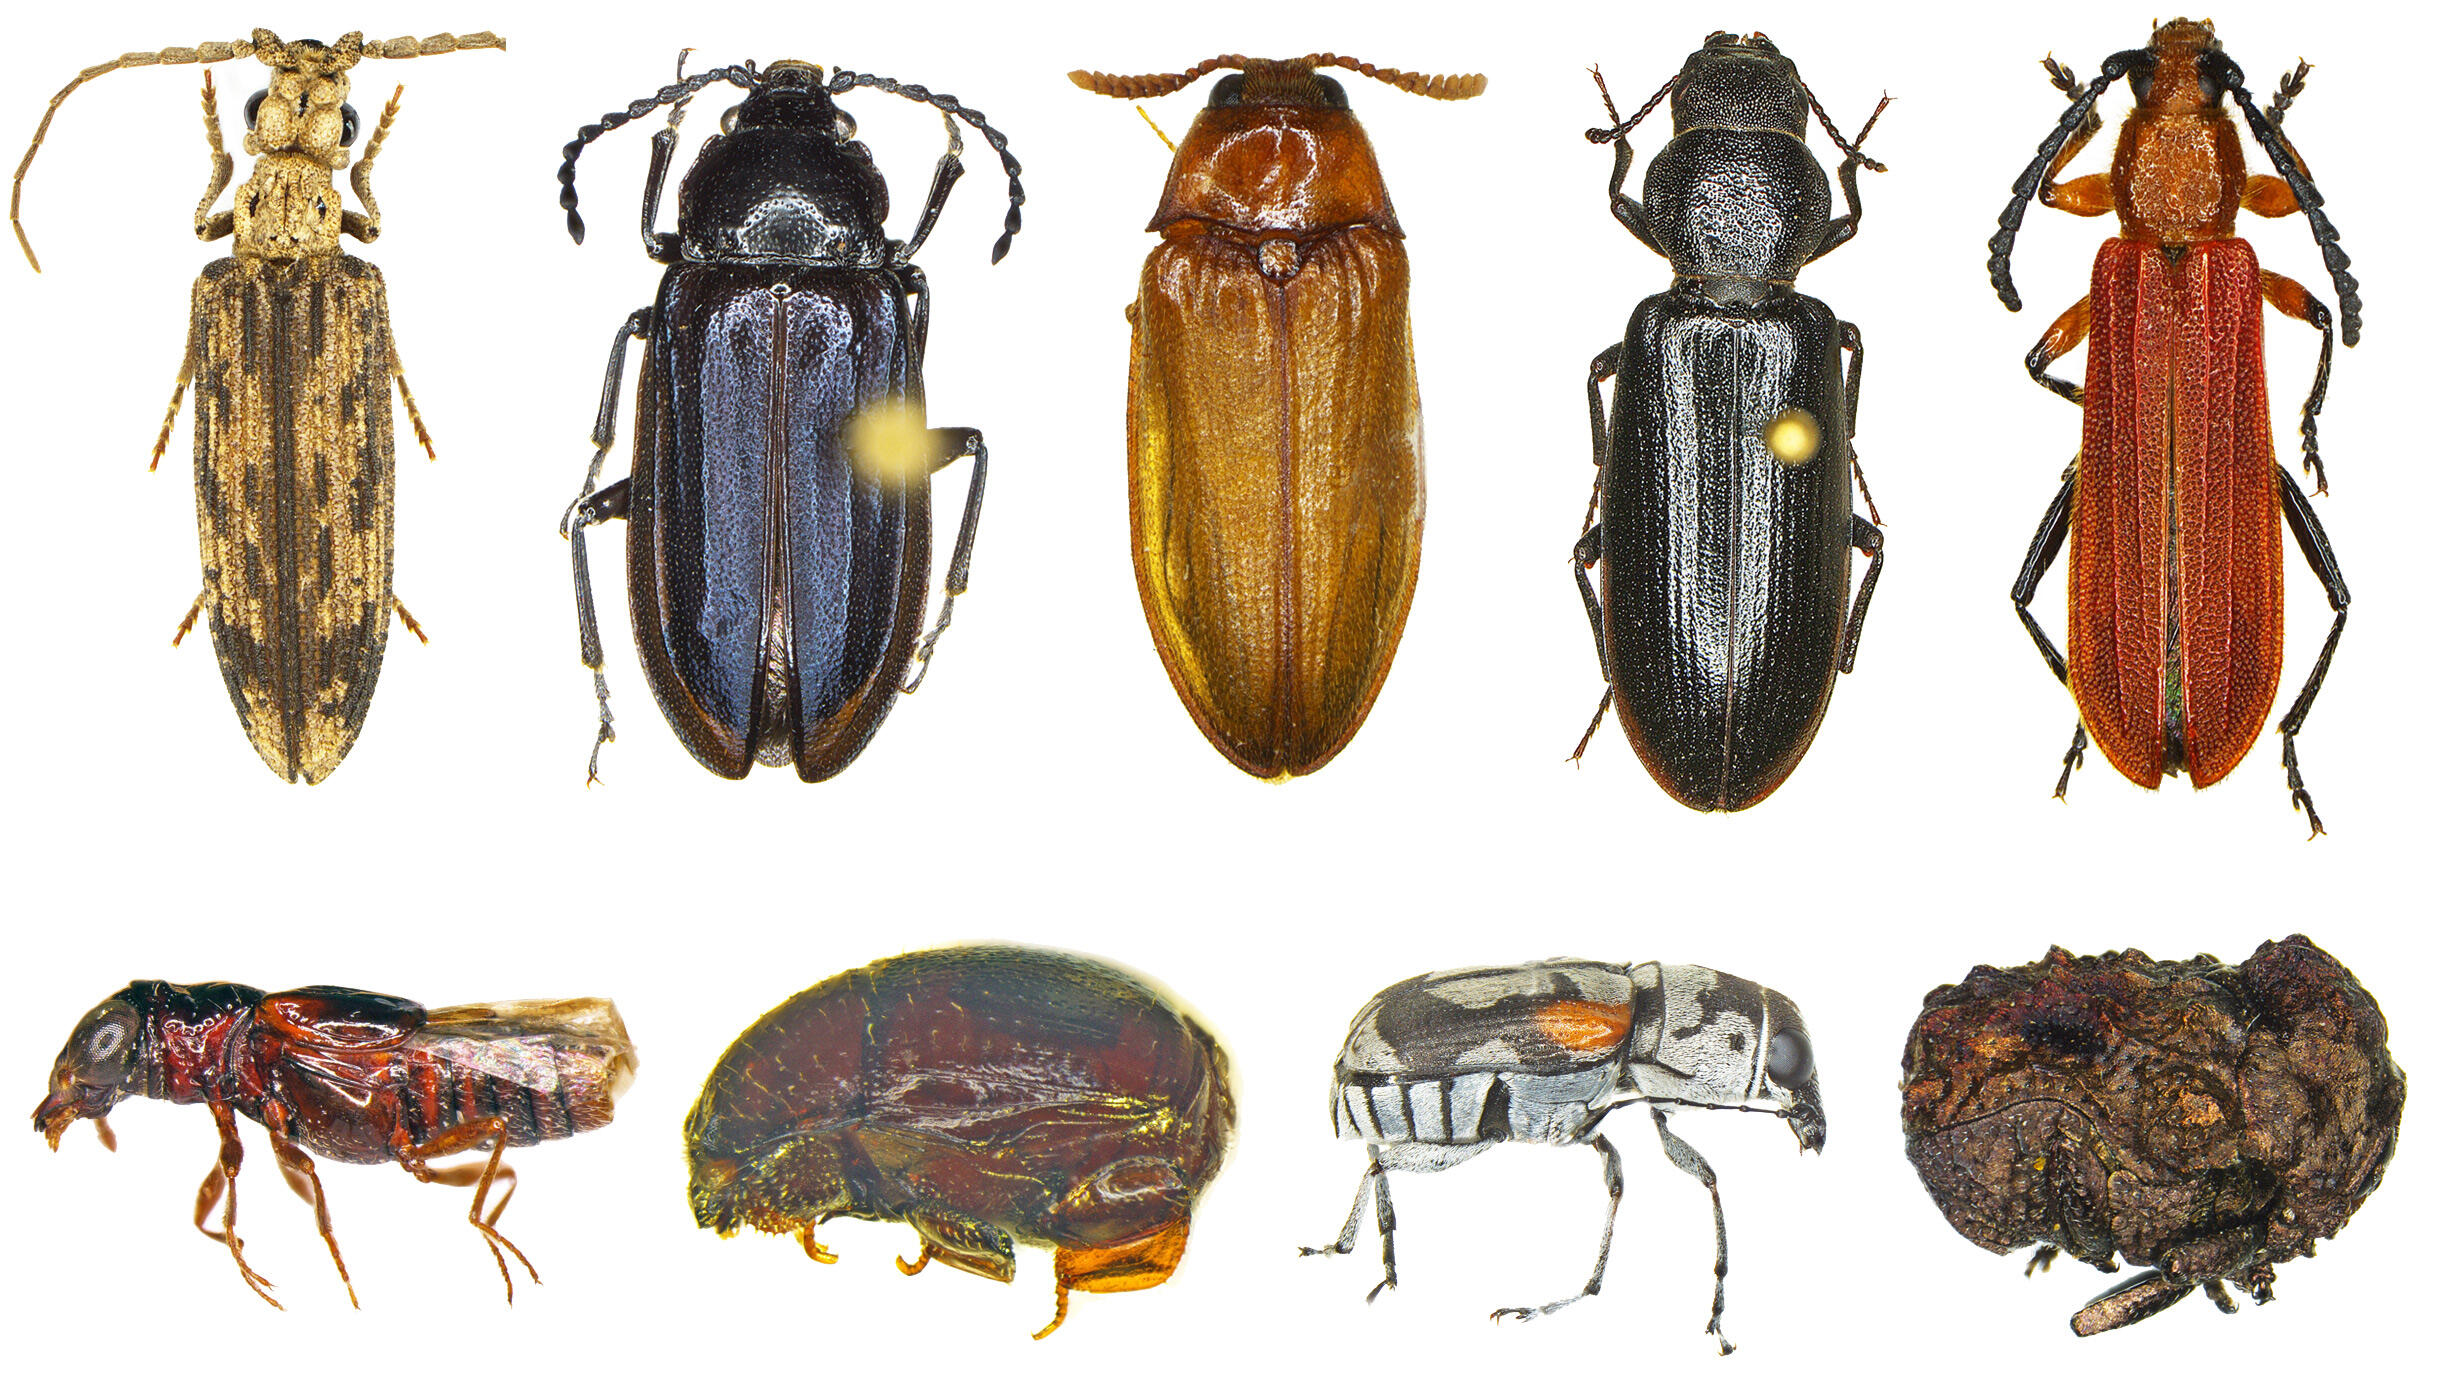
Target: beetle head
{"x":2183,"y":76}
{"x":98,"y":1068}
{"x":1787,"y":1079}
{"x":1740,"y":83}
{"x":1729,"y":1043}
{"x":785,"y":179}
{"x":779,"y":1188}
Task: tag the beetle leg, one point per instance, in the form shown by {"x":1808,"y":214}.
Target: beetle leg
{"x":2041,"y":1260}
{"x":1585,"y":554}
{"x":2290,"y":297}
{"x":2308,"y":529}
{"x":459,"y":1139}
{"x":593,"y":506}
{"x":222,"y":1185}
{"x":1605,"y":1241}
{"x":1687,"y":1158}
{"x":1842,"y":229}
{"x":370,"y":226}
{"x":1374,"y":1184}
{"x":188,"y":622}
{"x":943,"y":179}
{"x":2128,"y":1303}
{"x":1144,"y":1262}
{"x":1625,"y":207}
{"x":2048,"y":540}
{"x":179,"y":390}
{"x":2064,"y":335}
{"x":953,"y":443}
{"x":1871,"y":542}
{"x":408,"y":621}
{"x":418,"y":425}
{"x":663,"y":247}
{"x":961,"y":1242}
{"x":208,"y":225}
{"x":300,"y":1172}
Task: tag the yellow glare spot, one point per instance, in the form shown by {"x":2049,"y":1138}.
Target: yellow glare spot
{"x":1792,"y":437}
{"x":888,"y":440}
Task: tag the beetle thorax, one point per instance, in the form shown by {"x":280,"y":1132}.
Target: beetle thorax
{"x":777,"y":1189}
{"x":288,"y":210}
{"x":784,"y":192}
{"x":1276,"y":168}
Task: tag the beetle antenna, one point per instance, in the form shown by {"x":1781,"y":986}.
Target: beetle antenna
{"x":570,"y":198}
{"x":1853,"y":151}
{"x":433,"y":44}
{"x":1159,"y":84}
{"x":2293,"y":172}
{"x":1623,"y":128}
{"x":2078,"y":113}
{"x":167,"y":57}
{"x":949,"y":105}
{"x":1459,"y":87}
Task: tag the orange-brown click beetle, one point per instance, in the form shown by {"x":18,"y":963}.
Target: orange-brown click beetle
{"x":1276,"y":463}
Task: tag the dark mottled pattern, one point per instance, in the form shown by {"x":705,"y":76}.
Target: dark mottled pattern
{"x":2206,"y":1120}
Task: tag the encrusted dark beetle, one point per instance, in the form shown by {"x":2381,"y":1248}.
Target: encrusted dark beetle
{"x":1723,"y":503}
{"x":2207,"y":1120}
{"x":1440,"y":1068}
{"x":780,"y":542}
{"x":981,"y":1095}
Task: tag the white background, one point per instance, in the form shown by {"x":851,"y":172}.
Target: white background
{"x":1047,"y":787}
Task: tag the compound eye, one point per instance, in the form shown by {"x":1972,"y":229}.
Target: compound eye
{"x":253,"y":102}
{"x":1332,"y":93}
{"x":844,"y":126}
{"x":350,"y":123}
{"x":2139,"y":81}
{"x":1229,"y":91}
{"x":106,"y":1042}
{"x":1789,"y":1058}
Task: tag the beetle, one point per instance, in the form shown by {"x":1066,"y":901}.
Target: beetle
{"x":2172,"y":511}
{"x":2207,"y":1120}
{"x":348,"y":1075}
{"x":1442,"y":1067}
{"x":290,"y":346}
{"x":982,"y":1095}
{"x":1722,"y":508}
{"x":779,"y":545}
{"x":1276,"y":461}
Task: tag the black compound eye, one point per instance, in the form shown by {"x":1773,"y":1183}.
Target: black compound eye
{"x":255,"y":101}
{"x":1332,"y":93}
{"x":350,"y":123}
{"x":1789,"y":1058}
{"x":106,"y":1042}
{"x":1229,"y":91}
{"x":2139,"y":81}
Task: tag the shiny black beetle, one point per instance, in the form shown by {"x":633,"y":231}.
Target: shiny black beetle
{"x":1723,"y":505}
{"x":1440,"y":1068}
{"x":780,"y":543}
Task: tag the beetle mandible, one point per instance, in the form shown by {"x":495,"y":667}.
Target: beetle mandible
{"x":1442,"y":1067}
{"x":350,"y":1075}
{"x":2174,"y":503}
{"x":1276,"y":458}
{"x":1723,"y":504}
{"x":981,"y":1095}
{"x":290,"y":346}
{"x":779,"y":547}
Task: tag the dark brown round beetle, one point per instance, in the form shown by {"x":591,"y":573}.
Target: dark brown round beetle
{"x":982,"y":1095}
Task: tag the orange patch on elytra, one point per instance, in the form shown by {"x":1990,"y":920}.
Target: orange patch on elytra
{"x":1582,"y":1025}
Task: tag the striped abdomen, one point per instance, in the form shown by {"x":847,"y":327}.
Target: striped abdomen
{"x":1470,"y":1107}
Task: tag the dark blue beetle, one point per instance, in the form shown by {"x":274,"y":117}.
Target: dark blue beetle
{"x":780,"y":543}
{"x":1724,"y":495}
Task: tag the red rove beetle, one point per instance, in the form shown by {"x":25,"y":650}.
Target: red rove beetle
{"x":348,"y":1075}
{"x":2175,"y":502}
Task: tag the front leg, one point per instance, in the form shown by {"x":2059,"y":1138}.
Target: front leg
{"x":943,"y":180}
{"x":961,"y":1242}
{"x":1687,"y":1158}
{"x":210,"y":226}
{"x":2289,"y":297}
{"x":222,"y":1185}
{"x":2128,"y":1303}
{"x":371,"y":225}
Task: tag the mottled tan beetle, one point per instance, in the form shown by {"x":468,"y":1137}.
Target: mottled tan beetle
{"x":291,"y":352}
